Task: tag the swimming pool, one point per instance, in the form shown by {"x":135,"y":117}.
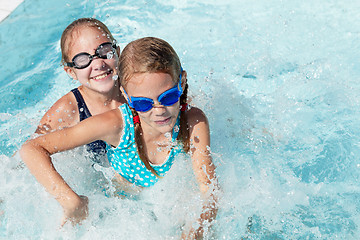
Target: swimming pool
{"x":278,"y":81}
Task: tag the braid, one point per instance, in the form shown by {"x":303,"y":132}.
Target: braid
{"x":184,"y":127}
{"x":139,"y":140}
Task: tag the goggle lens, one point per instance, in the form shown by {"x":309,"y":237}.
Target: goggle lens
{"x":143,"y":105}
{"x":170,"y":97}
{"x":82,"y":60}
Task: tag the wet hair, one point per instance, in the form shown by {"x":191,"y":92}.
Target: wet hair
{"x":68,"y":34}
{"x":153,"y":55}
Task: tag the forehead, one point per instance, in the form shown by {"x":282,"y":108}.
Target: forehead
{"x":149,"y":84}
{"x":86,"y":39}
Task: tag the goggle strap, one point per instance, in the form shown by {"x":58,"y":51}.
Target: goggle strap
{"x":128,"y":98}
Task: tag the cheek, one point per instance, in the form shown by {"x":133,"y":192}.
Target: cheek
{"x":176,"y":107}
{"x":113,"y":62}
{"x":174,"y":110}
{"x":82,"y":73}
{"x":78,"y":73}
{"x":144,"y":115}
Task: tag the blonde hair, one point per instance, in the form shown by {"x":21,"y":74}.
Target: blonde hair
{"x":67,"y":35}
{"x":153,"y":55}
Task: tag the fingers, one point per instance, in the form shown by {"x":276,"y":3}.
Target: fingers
{"x":85,"y":198}
{"x":63,"y":221}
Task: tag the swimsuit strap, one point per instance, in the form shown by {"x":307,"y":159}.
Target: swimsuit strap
{"x":83,"y":109}
{"x":98,"y":147}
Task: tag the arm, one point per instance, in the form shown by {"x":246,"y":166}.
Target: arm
{"x":38,"y":160}
{"x":36,"y":155}
{"x":204,"y":169}
{"x":64,"y":113}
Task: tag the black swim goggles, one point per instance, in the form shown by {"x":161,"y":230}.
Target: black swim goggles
{"x":82,"y":60}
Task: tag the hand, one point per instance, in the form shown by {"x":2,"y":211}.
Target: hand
{"x":192,"y":234}
{"x":76,"y":213}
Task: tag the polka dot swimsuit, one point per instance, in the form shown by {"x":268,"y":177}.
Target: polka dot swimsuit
{"x":126,"y":160}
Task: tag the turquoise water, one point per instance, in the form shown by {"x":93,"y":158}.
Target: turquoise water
{"x":278,"y":81}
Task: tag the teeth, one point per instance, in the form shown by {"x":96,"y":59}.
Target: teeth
{"x":100,"y":76}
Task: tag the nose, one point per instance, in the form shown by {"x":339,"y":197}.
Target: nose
{"x":98,"y":63}
{"x":159,"y":109}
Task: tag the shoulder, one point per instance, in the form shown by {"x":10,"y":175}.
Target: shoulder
{"x":108,"y":125}
{"x":63,"y":113}
{"x":199,"y":130}
{"x":109,"y":118}
{"x":66,"y":102}
{"x":195,"y":116}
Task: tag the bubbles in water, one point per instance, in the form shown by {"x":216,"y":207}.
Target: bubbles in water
{"x":115,"y":77}
{"x":168,"y":135}
{"x":5,"y":116}
{"x":110,"y":55}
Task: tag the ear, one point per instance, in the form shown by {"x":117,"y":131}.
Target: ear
{"x":118,"y":51}
{"x":183,"y":79}
{"x":70,"y":72}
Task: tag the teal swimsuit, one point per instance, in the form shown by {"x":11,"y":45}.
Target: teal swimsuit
{"x":126,"y":160}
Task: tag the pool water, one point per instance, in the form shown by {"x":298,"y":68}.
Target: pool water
{"x":278,"y":81}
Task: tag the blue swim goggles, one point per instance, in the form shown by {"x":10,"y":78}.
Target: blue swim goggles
{"x":167,"y":98}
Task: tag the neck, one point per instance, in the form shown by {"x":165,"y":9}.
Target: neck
{"x":99,"y":102}
{"x":157,"y":138}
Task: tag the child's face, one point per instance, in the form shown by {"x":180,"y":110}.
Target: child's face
{"x":99,"y":75}
{"x":159,"y":119}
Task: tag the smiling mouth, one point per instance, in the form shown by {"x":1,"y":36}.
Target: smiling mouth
{"x":104,"y":75}
{"x":163,"y":122}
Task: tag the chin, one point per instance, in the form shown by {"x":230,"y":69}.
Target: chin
{"x":165,"y":129}
{"x":105,"y":88}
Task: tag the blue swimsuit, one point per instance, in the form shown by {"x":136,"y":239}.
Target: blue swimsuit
{"x":126,"y":160}
{"x":97,"y":147}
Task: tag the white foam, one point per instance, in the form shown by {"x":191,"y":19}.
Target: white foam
{"x":279,"y":84}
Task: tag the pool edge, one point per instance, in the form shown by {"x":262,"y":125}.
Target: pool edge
{"x":7,"y":7}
